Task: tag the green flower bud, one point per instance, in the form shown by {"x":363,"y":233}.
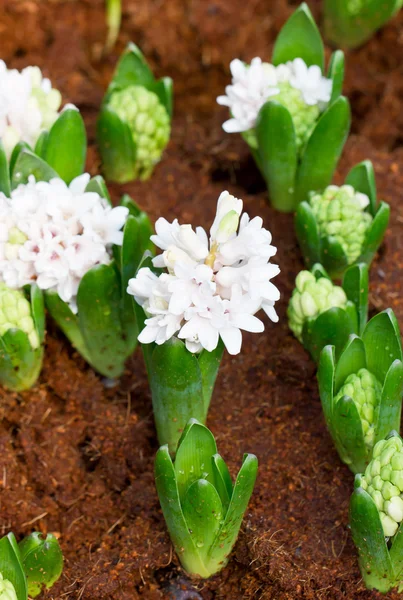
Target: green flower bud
{"x":310,"y":298}
{"x":148,"y":121}
{"x":383,"y":481}
{"x":365,"y":390}
{"x":304,"y":116}
{"x":340,"y":213}
{"x":15,"y":312}
{"x":7,"y":590}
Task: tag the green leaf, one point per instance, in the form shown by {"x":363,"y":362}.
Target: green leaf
{"x":132,"y":69}
{"x":193,"y":458}
{"x":362,"y":178}
{"x":277,"y":151}
{"x":323,"y":149}
{"x":116,"y":146}
{"x":203,"y":514}
{"x":40,"y":146}
{"x":375,"y":563}
{"x":97,"y":184}
{"x":348,"y":428}
{"x":163,"y":88}
{"x":336,"y":74}
{"x":299,"y":38}
{"x":390,"y":407}
{"x":4,"y":173}
{"x":209,"y":363}
{"x":334,"y":257}
{"x":165,"y":481}
{"x":318,"y":271}
{"x":381,"y":337}
{"x":228,"y":533}
{"x":222,"y":479}
{"x":38,"y":310}
{"x":352,"y":359}
{"x":11,"y":567}
{"x":28,"y":164}
{"x":396,"y":556}
{"x":99,"y":316}
{"x":66,"y":146}
{"x":42,"y":561}
{"x":20,"y":365}
{"x":325,"y":376}
{"x":355,"y":284}
{"x":128,"y":202}
{"x":308,"y":234}
{"x":176,"y":389}
{"x":15,"y":154}
{"x":332,"y":327}
{"x":376,"y":232}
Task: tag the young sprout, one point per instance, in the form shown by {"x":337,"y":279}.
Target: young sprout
{"x":361,"y":392}
{"x":376,"y":514}
{"x":290,"y":113}
{"x":134,"y":124}
{"x":343,"y":225}
{"x":113,"y":20}
{"x":350,"y":23}
{"x":42,"y":560}
{"x":321,"y":313}
{"x":203,"y":509}
{"x":197,"y":297}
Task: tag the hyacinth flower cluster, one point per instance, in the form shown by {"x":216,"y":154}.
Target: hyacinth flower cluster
{"x":197,"y":297}
{"x":343,"y":225}
{"x":30,"y":567}
{"x":292,"y":116}
{"x":350,"y":23}
{"x":361,"y":392}
{"x":135,"y":119}
{"x":322,"y":313}
{"x":202,"y":507}
{"x":376,"y":514}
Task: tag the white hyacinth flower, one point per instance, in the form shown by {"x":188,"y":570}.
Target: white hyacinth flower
{"x":28,"y":106}
{"x":253,"y":85}
{"x":212,"y":286}
{"x":53,"y":234}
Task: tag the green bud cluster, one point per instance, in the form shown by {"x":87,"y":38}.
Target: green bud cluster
{"x":303,"y":116}
{"x":310,"y":298}
{"x":339,"y":213}
{"x":7,"y":590}
{"x":383,"y":481}
{"x":15,"y":312}
{"x":148,"y":121}
{"x":365,"y":390}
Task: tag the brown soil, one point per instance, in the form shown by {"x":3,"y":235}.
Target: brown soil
{"x":77,"y":458}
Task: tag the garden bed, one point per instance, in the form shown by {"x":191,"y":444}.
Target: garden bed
{"x":76,"y":456}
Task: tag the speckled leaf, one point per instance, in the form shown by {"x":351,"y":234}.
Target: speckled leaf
{"x":66,"y":146}
{"x":42,"y":561}
{"x":223,"y":481}
{"x":20,"y":365}
{"x":334,"y":258}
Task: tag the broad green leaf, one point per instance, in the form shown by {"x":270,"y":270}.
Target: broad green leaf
{"x":348,"y":428}
{"x":277,"y":153}
{"x":375,"y":563}
{"x":97,"y":184}
{"x":223,"y":481}
{"x":193,"y":458}
{"x":355,"y":284}
{"x":323,"y":149}
{"x":362,"y":178}
{"x":38,"y":310}
{"x":325,"y":377}
{"x":381,"y":337}
{"x":376,"y":232}
{"x":176,"y":389}
{"x":67,"y":321}
{"x":11,"y":567}
{"x":351,"y":360}
{"x":42,"y":561}
{"x":396,"y":556}
{"x":116,"y":145}
{"x":40,"y":146}
{"x":336,"y":74}
{"x":132,"y":69}
{"x":165,"y":481}
{"x":299,"y":38}
{"x":164,"y":90}
{"x":334,"y":258}
{"x":15,"y":154}
{"x":203,"y":514}
{"x":99,"y":316}
{"x":128,"y":202}
{"x":28,"y":164}
{"x":66,"y":146}
{"x":209,"y":363}
{"x":308,"y":234}
{"x":332,"y":327}
{"x":20,"y":365}
{"x":390,"y":407}
{"x":5,"y":186}
{"x":228,"y":533}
